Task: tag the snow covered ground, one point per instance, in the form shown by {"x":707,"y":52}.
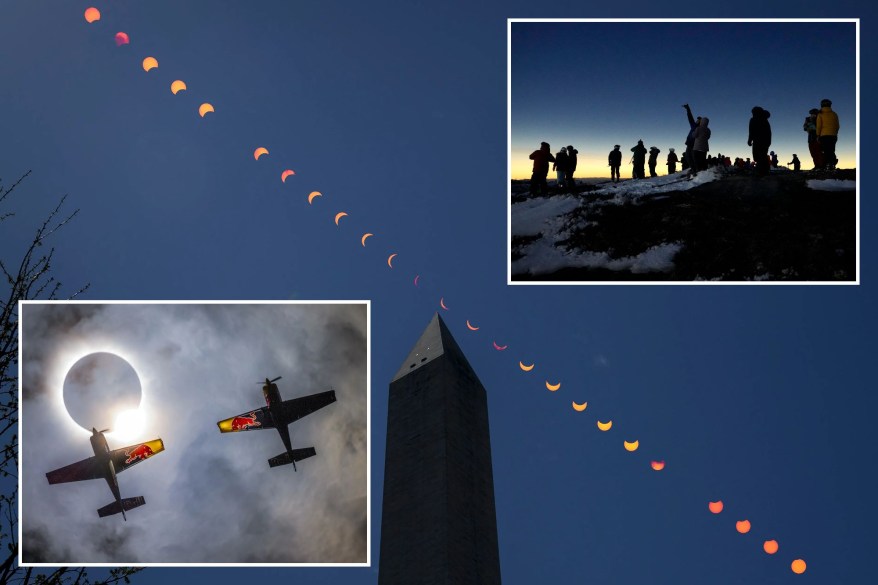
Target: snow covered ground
{"x":548,"y":218}
{"x":831,"y":185}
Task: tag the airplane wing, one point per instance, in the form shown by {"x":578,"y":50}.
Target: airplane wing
{"x":296,"y":408}
{"x":79,"y":471}
{"x":254,"y":420}
{"x":133,"y":454}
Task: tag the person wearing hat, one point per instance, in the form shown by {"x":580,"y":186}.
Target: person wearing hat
{"x":797,"y":164}
{"x":827,"y":133}
{"x":541,"y":158}
{"x":653,"y":159}
{"x":559,"y":167}
{"x":615,"y":160}
{"x":672,"y":161}
{"x":638,"y":160}
{"x":571,"y":168}
{"x":810,"y":126}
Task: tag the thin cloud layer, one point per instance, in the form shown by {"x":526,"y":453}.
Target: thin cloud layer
{"x":210,"y":498}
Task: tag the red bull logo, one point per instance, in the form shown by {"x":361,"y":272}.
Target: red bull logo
{"x":242,"y":423}
{"x":139,"y":453}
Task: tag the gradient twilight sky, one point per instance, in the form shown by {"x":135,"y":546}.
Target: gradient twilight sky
{"x":396,"y":111}
{"x":596,"y":84}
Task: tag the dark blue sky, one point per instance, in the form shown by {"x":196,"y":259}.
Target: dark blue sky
{"x":594,"y":85}
{"x":759,"y":395}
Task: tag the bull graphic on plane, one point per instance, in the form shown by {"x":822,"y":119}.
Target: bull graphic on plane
{"x":106,"y":464}
{"x":277,"y":414}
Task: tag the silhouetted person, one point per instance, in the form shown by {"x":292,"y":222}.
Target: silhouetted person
{"x":570,"y":168}
{"x":559,"y":167}
{"x":690,"y":138}
{"x":810,"y":126}
{"x":615,"y":160}
{"x":700,"y":145}
{"x":797,"y":164}
{"x":638,"y":160}
{"x":672,"y":161}
{"x":827,"y":133}
{"x":541,"y":158}
{"x":653,"y":159}
{"x":760,"y":139}
{"x":685,"y":163}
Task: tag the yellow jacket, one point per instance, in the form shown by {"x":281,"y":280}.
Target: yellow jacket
{"x":827,"y":122}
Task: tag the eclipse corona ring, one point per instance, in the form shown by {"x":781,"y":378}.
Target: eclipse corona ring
{"x":98,"y":388}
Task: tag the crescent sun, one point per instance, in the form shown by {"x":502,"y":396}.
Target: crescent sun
{"x":470,"y":326}
{"x":579,"y":407}
{"x":442,"y":303}
{"x":390,"y":259}
{"x":204,"y":109}
{"x":417,"y":276}
{"x":285,"y":174}
{"x":150,"y":63}
{"x":122,"y":39}
{"x":312,"y":195}
{"x":92,"y":14}
{"x":524,"y":367}
{"x":177,"y":86}
{"x":605,"y":426}
{"x":631,"y":446}
{"x":339,"y":215}
{"x":553,"y":387}
{"x":259,"y":152}
{"x":499,"y":347}
{"x":363,"y":240}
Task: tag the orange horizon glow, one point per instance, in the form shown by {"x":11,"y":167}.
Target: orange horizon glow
{"x":597,"y":168}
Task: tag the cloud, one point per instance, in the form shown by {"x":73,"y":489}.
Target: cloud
{"x":209,"y":497}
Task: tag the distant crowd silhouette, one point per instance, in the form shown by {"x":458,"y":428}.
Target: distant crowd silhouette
{"x":821,"y":126}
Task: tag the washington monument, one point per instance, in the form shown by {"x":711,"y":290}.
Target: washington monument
{"x":438,"y":525}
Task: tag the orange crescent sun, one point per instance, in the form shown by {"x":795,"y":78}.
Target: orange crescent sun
{"x":150,"y":63}
{"x":553,"y":387}
{"x":92,"y":14}
{"x":177,"y":87}
{"x":312,"y":195}
{"x":605,"y":426}
{"x":442,"y":303}
{"x":363,"y":240}
{"x":339,"y":215}
{"x":204,"y":109}
{"x":390,"y":259}
{"x":579,"y":407}
{"x":499,"y":347}
{"x":524,"y":367}
{"x":259,"y":152}
{"x":285,"y":174}
{"x":470,"y":326}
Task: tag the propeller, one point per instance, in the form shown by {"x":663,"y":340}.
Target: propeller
{"x":267,"y":381}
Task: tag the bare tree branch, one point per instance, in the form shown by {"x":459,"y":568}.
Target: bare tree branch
{"x":30,"y":279}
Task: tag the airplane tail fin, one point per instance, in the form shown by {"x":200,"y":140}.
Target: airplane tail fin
{"x":292,"y":456}
{"x":125,"y":504}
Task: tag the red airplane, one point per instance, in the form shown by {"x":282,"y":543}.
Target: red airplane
{"x":277,"y":414}
{"x":106,"y":464}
